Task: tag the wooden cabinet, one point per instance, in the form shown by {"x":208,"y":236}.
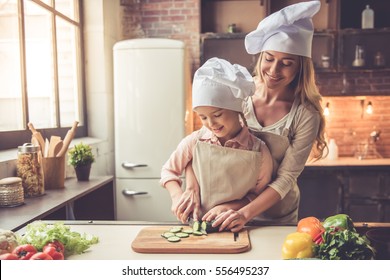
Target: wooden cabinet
{"x":362,"y":192}
{"x":321,"y":193}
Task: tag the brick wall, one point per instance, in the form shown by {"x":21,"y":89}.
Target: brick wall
{"x":174,"y":19}
{"x":348,"y":121}
{"x":180,"y":19}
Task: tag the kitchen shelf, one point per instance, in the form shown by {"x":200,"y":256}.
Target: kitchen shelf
{"x":58,"y":203}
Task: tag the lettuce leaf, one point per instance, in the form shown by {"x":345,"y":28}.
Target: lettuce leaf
{"x":344,"y":245}
{"x":39,"y":234}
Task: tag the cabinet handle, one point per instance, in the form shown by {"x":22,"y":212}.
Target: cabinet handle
{"x":132,"y":193}
{"x":130,"y":165}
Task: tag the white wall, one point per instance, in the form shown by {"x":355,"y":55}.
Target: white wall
{"x":101,"y":32}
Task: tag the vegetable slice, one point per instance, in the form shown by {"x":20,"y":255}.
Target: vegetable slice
{"x":182,"y":234}
{"x":174,"y":239}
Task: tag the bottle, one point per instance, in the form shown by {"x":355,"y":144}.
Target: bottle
{"x":367,"y":18}
{"x":333,"y":150}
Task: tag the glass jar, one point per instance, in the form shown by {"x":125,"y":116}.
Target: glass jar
{"x":11,"y":192}
{"x":29,"y":169}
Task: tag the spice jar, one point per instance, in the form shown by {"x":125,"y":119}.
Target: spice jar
{"x":11,"y":192}
{"x":30,"y":170}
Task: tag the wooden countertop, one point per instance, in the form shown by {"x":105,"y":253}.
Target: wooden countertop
{"x":35,"y":208}
{"x":349,"y":162}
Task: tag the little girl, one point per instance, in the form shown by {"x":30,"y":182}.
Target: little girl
{"x":231,"y":166}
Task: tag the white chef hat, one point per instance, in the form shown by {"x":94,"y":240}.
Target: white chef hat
{"x":218,"y":83}
{"x":289,"y":30}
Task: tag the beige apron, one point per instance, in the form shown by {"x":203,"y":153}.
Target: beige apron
{"x":286,"y":210}
{"x":224,"y":174}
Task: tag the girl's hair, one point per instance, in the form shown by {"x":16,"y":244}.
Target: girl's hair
{"x":305,"y":87}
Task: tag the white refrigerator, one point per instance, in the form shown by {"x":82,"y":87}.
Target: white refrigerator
{"x":151,"y":77}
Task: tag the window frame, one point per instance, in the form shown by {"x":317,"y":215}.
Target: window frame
{"x":13,"y":139}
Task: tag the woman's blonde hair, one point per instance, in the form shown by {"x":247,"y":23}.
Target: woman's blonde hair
{"x":306,"y":88}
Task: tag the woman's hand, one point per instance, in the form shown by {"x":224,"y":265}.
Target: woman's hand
{"x":231,"y":220}
{"x":189,"y":202}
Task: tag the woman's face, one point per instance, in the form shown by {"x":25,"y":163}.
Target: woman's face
{"x":225,"y":124}
{"x":278,"y":69}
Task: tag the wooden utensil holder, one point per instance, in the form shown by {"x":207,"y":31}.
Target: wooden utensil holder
{"x":54,"y":172}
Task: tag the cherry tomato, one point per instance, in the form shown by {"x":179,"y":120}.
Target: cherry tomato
{"x":57,"y":244}
{"x":8,"y":256}
{"x":53,"y":252}
{"x":25,"y":251}
{"x":41,"y":256}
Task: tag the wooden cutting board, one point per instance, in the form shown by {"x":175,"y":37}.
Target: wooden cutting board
{"x":149,"y":240}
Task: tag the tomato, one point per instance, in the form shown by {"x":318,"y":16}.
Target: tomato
{"x":56,"y":244}
{"x":8,"y":256}
{"x":53,"y":252}
{"x":310,"y":225}
{"x":25,"y":251}
{"x":41,"y":256}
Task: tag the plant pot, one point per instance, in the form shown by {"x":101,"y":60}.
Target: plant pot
{"x":82,"y":172}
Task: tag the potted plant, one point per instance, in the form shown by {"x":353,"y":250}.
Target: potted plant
{"x":81,"y":158}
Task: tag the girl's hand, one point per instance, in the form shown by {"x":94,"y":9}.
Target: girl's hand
{"x":188,"y":203}
{"x":215,"y":211}
{"x":231,"y":220}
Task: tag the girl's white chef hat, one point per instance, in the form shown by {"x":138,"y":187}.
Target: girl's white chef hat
{"x":218,"y":83}
{"x":289,"y":30}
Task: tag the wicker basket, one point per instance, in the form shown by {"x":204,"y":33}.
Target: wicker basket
{"x":11,"y":192}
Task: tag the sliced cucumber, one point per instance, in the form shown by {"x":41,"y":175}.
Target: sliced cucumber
{"x":174,"y":239}
{"x":196,"y":226}
{"x":176,"y":229}
{"x":197,"y":232}
{"x":188,"y":230}
{"x":167,"y":234}
{"x":182,"y":234}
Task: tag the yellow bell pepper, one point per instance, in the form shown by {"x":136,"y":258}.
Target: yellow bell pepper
{"x":298,"y":245}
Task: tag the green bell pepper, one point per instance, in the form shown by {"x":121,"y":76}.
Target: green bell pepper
{"x":339,"y":221}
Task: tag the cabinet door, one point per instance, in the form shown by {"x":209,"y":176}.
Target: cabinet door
{"x":364,"y":210}
{"x":321,"y":193}
{"x":142,"y":200}
{"x":364,"y":184}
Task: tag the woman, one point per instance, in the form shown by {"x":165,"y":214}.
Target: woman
{"x":285,"y":112}
{"x":223,"y":151}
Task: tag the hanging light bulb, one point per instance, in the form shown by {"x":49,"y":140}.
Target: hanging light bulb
{"x":326,"y":109}
{"x":369,"y":108}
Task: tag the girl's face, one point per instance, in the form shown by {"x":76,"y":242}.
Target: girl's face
{"x":278,"y":69}
{"x":225,"y":124}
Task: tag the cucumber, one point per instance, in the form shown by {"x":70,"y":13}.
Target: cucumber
{"x":188,"y":230}
{"x":196,"y":226}
{"x":174,"y":239}
{"x":197,"y":233}
{"x":207,"y":227}
{"x":176,"y":229}
{"x":182,"y":234}
{"x":167,"y":234}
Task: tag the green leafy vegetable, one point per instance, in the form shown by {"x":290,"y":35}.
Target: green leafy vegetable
{"x":39,"y":234}
{"x":344,"y":244}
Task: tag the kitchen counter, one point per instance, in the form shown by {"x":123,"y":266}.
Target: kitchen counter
{"x":115,"y":240}
{"x":350,"y":162}
{"x":14,"y":218}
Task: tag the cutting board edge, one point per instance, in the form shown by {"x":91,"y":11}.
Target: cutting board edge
{"x":242,"y":246}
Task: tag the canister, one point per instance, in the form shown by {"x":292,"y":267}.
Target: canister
{"x":29,"y":169}
{"x":11,"y":192}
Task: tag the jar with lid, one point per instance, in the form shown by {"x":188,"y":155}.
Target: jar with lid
{"x":11,"y":192}
{"x":29,"y":169}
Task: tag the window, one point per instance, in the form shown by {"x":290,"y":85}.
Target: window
{"x":40,"y":69}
